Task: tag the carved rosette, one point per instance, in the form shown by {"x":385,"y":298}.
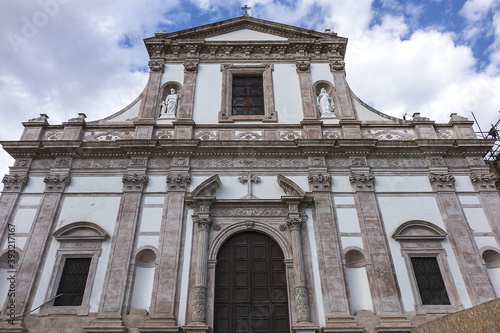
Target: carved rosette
{"x":294,"y":223}
{"x":134,"y":182}
{"x":302,"y":304}
{"x":362,"y":181}
{"x":56,"y":183}
{"x":204,"y":223}
{"x":442,"y":181}
{"x":319,"y":181}
{"x":200,"y":304}
{"x":14,"y":183}
{"x":178,"y":181}
{"x":484,"y":181}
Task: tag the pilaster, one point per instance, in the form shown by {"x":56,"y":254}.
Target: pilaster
{"x":344,"y":105}
{"x":484,"y":183}
{"x":184,"y":123}
{"x":73,"y":128}
{"x":149,"y":107}
{"x":34,"y":128}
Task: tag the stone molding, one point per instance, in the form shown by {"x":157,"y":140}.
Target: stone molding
{"x":319,"y":181}
{"x":134,"y":182}
{"x":56,"y":182}
{"x":442,"y":181}
{"x":208,"y":187}
{"x":290,"y":188}
{"x":178,"y":181}
{"x":484,"y":181}
{"x":362,"y":181}
{"x":14,"y":183}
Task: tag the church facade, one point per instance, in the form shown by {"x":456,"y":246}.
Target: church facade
{"x":247,"y":189}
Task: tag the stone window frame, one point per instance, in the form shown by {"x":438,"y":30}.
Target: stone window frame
{"x":230,"y":70}
{"x":423,"y":239}
{"x":77,"y":240}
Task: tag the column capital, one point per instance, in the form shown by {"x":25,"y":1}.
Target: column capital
{"x":443,"y":181}
{"x":134,"y":182}
{"x":56,"y":182}
{"x":156,"y":65}
{"x":178,"y":181}
{"x":294,"y":223}
{"x":14,"y":183}
{"x":362,"y":181}
{"x":204,"y":223}
{"x":484,"y":181}
{"x":319,"y":181}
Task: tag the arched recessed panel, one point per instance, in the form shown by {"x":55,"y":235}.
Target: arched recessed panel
{"x":81,"y":231}
{"x":491,"y":258}
{"x":415,"y":230}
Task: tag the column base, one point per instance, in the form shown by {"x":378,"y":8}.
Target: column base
{"x":159,"y":323}
{"x":194,"y":328}
{"x":341,"y":324}
{"x":106,"y":325}
{"x":305,"y":328}
{"x":393,"y":324}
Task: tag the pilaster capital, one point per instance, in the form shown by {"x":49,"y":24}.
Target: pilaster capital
{"x":303,"y":66}
{"x":134,"y":182}
{"x":337,"y":65}
{"x":14,"y":183}
{"x":319,"y":181}
{"x":178,"y":181}
{"x":362,"y":181}
{"x":191,"y":66}
{"x":294,"y":223}
{"x":442,"y":181}
{"x":56,"y":182}
{"x":484,"y":181}
{"x":156,"y":65}
{"x":204,"y":223}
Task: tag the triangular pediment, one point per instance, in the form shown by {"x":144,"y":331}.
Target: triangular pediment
{"x":246,"y":35}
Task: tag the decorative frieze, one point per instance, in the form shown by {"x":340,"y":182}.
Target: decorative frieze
{"x":442,"y":181}
{"x":319,"y":181}
{"x":250,"y":211}
{"x":436,"y":161}
{"x":200,"y":304}
{"x":14,"y":183}
{"x":139,"y":162}
{"x":100,"y":163}
{"x":397,"y":162}
{"x":302,"y":304}
{"x":317,"y":161}
{"x":484,"y":181}
{"x":134,"y":182}
{"x":362,"y":181}
{"x":389,"y":134}
{"x":248,"y":162}
{"x":63,"y":162}
{"x":110,"y":135}
{"x":22,"y":162}
{"x":358,"y":161}
{"x":56,"y":183}
{"x":178,"y":181}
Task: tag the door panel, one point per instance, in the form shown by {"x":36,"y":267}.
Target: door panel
{"x":250,"y":286}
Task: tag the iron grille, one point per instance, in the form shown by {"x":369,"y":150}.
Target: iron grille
{"x":73,"y":281}
{"x":429,"y":281}
{"x":248,"y":96}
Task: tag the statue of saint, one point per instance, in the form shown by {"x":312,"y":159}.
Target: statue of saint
{"x":325,"y":103}
{"x":169,"y":105}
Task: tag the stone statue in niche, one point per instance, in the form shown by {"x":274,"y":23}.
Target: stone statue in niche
{"x":325,"y":103}
{"x":169,"y":105}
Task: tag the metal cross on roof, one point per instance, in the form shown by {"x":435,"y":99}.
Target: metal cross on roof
{"x":246,"y":9}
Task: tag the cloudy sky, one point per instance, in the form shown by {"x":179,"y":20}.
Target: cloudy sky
{"x":63,"y":57}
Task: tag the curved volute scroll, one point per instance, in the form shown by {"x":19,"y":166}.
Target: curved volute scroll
{"x":290,"y":188}
{"x":419,"y":230}
{"x":81,"y":231}
{"x":207,"y":188}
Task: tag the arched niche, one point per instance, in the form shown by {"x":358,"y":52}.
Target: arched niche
{"x":146,"y":256}
{"x":491,"y":257}
{"x":360,"y":297}
{"x":318,"y":85}
{"x":144,"y":276}
{"x":419,"y":230}
{"x":165,"y":90}
{"x":354,"y":257}
{"x":81,"y":231}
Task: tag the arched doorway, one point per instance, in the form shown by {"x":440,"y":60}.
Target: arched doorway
{"x":250,"y":286}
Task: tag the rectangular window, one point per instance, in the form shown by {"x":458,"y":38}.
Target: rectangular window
{"x":247,"y":96}
{"x":429,"y":281}
{"x":73,"y":281}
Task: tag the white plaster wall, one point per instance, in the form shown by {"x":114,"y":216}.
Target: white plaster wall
{"x":348,"y":220}
{"x":186,"y":265}
{"x":150,"y":200}
{"x":477,"y":219}
{"x":343,"y":200}
{"x":128,"y":115}
{"x":23,"y":219}
{"x":151,"y":219}
{"x":486,"y":241}
{"x":455,"y":273}
{"x":341,"y":184}
{"x":105,"y":184}
{"x":359,"y":289}
{"x":494,"y":274}
{"x":100,"y":275}
{"x":402,"y":184}
{"x":100,"y":210}
{"x":348,"y":241}
{"x":287,"y":100}
{"x":156,"y":184}
{"x":34,"y":185}
{"x":20,"y":242}
{"x":364,"y":114}
{"x":143,"y":288}
{"x":30,"y":200}
{"x":469,"y":199}
{"x":245,"y":35}
{"x":207,"y":99}
{"x":463,"y":184}
{"x":148,"y":240}
{"x":321,"y":72}
{"x":173,"y":72}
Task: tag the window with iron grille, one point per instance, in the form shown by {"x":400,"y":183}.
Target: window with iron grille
{"x":248,"y":96}
{"x":73,"y":281}
{"x":429,"y":281}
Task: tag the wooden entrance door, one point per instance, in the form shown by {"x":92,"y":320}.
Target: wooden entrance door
{"x":250,"y":286}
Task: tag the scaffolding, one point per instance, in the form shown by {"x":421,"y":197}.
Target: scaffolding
{"x":493,"y":133}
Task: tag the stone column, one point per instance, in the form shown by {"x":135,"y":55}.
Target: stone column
{"x":116,"y":281}
{"x":163,"y":303}
{"x":385,"y":290}
{"x":37,"y":245}
{"x":471,"y":266}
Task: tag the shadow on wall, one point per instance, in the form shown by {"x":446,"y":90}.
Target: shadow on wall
{"x":484,"y":318}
